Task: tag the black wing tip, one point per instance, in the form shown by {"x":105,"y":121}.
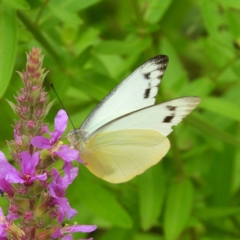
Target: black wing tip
{"x":160,"y":59}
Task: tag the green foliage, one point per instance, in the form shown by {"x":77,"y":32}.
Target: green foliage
{"x":90,"y":47}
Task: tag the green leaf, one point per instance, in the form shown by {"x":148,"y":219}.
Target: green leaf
{"x":65,"y":15}
{"x":211,"y":17}
{"x":152,"y":187}
{"x":74,"y":5}
{"x":217,"y":212}
{"x":121,"y":234}
{"x":205,"y":127}
{"x":221,"y":107}
{"x":132,"y":44}
{"x":87,"y":39}
{"x":198,"y":87}
{"x":230,"y":3}
{"x":221,"y":188}
{"x":8,"y":46}
{"x":156,"y":10}
{"x":147,"y":236}
{"x":17,"y":4}
{"x":178,"y":208}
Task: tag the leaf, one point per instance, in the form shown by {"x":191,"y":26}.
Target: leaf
{"x":211,"y":17}
{"x":65,"y":15}
{"x":222,"y":107}
{"x":17,"y":4}
{"x":199,"y":87}
{"x":8,"y":46}
{"x":156,"y":10}
{"x":74,"y":5}
{"x":204,"y":126}
{"x":178,"y":208}
{"x":100,"y":202}
{"x":132,"y":44}
{"x":221,"y":188}
{"x":121,"y":234}
{"x":230,"y":3}
{"x":88,"y":38}
{"x":217,"y":212}
{"x":152,"y":188}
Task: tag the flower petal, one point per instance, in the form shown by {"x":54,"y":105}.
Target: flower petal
{"x":67,"y":166}
{"x":6,"y":167}
{"x":56,"y":191}
{"x":6,"y":187}
{"x":67,"y":153}
{"x":60,"y":124}
{"x":68,"y":179}
{"x":56,"y":234}
{"x":81,"y":228}
{"x":40,"y":177}
{"x":29,"y":162}
{"x":41,"y":142}
{"x":14,"y":178}
{"x":64,"y":205}
{"x":68,"y":237}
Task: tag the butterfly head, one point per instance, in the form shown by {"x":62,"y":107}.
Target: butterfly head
{"x":76,"y":137}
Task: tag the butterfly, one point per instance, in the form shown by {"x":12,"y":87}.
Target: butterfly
{"x":126,"y":133}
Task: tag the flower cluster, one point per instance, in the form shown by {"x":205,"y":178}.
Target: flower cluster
{"x":35,"y":189}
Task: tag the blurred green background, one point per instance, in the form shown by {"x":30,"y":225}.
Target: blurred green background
{"x":90,"y":46}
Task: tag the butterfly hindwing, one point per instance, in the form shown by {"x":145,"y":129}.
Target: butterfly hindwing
{"x":137,"y":91}
{"x":119,"y":156}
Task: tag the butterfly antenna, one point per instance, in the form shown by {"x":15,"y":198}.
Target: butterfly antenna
{"x":62,"y":104}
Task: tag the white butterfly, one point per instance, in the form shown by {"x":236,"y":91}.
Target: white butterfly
{"x":126,"y":134}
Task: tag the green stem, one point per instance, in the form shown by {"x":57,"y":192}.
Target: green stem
{"x":41,"y":11}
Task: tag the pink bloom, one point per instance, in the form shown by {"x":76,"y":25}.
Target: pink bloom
{"x":60,"y":233}
{"x":3,"y":225}
{"x":11,"y":175}
{"x":6,"y":187}
{"x":64,"y":151}
{"x":57,"y":190}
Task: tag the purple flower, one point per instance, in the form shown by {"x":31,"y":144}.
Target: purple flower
{"x":3,"y":225}
{"x":11,"y":175}
{"x":57,"y":190}
{"x":60,"y":233}
{"x":64,"y":151}
{"x":6,"y":187}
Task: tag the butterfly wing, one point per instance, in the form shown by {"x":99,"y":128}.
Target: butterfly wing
{"x":137,"y":91}
{"x":121,"y":155}
{"x":129,"y":145}
{"x":160,"y":117}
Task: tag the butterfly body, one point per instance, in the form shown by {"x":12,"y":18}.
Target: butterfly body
{"x":126,"y":133}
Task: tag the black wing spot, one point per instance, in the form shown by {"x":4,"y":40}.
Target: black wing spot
{"x":171,"y":108}
{"x":147,"y":92}
{"x":147,"y":75}
{"x":168,"y":119}
{"x":162,"y":68}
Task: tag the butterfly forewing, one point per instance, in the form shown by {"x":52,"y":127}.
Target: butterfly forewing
{"x":137,"y":91}
{"x":160,"y":117}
